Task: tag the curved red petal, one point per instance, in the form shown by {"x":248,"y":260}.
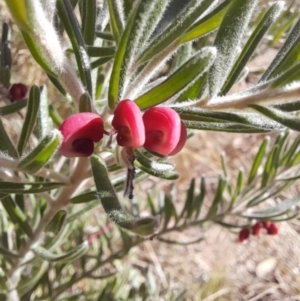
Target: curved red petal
{"x":163,"y":130}
{"x":82,"y":126}
{"x":128,"y":123}
{"x":182,"y":140}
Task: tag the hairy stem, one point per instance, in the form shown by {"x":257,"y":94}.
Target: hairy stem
{"x":78,"y":174}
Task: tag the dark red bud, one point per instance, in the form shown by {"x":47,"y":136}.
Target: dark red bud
{"x":256,"y":229}
{"x":17,"y":92}
{"x":163,"y":131}
{"x":273,"y":229}
{"x":266,"y":224}
{"x":79,"y":132}
{"x":244,"y":235}
{"x":128,"y":123}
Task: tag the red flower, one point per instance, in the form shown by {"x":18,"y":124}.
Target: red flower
{"x":244,"y":235}
{"x":266,"y":224}
{"x":80,"y":131}
{"x":128,"y":123}
{"x":273,"y":229}
{"x":17,"y":92}
{"x":256,"y":229}
{"x":165,"y":132}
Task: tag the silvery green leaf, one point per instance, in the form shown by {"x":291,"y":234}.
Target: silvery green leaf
{"x":67,"y":257}
{"x":228,"y":39}
{"x":30,"y":119}
{"x":69,"y":20}
{"x":42,"y":153}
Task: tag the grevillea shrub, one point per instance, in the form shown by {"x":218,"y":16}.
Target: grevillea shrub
{"x":129,"y":82}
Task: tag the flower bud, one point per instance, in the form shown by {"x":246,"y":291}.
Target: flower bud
{"x":266,"y":224}
{"x":256,"y":229}
{"x":17,"y":92}
{"x":128,"y":123}
{"x":165,"y":133}
{"x":80,"y":131}
{"x":244,"y":235}
{"x":273,"y":229}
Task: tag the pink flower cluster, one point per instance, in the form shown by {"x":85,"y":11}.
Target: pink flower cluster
{"x":159,"y":130}
{"x":256,"y":229}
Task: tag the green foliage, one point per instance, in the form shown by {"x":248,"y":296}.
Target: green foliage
{"x":185,"y":55}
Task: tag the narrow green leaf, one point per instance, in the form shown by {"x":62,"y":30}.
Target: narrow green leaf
{"x":169,"y":210}
{"x":84,"y":198}
{"x":25,"y":188}
{"x":57,"y":222}
{"x":268,"y":19}
{"x":89,"y":21}
{"x":161,"y":170}
{"x":246,"y":119}
{"x":268,"y":167}
{"x":104,"y":35}
{"x":185,"y":75}
{"x":85,"y":103}
{"x":107,"y":195}
{"x":268,"y":192}
{"x":151,"y":204}
{"x":281,"y":208}
{"x":68,"y":18}
{"x":37,"y":54}
{"x":8,"y":254}
{"x":115,"y":84}
{"x":42,"y":153}
{"x":239,"y":185}
{"x":101,"y":61}
{"x":187,"y":210}
{"x":5,"y":57}
{"x":223,"y":127}
{"x":99,"y":84}
{"x":258,"y":160}
{"x":67,"y":257}
{"x":235,"y":21}
{"x":13,"y":108}
{"x":206,"y":24}
{"x":213,"y":210}
{"x":286,"y":159}
{"x":79,"y":214}
{"x":16,"y":215}
{"x":19,"y":13}
{"x":195,"y":91}
{"x":94,"y":51}
{"x":288,"y":107}
{"x":57,"y":84}
{"x":44,"y":121}
{"x":56,"y":118}
{"x":30,"y":119}
{"x":289,"y":43}
{"x":27,"y":285}
{"x":116,"y":14}
{"x":199,"y":199}
{"x":6,"y":146}
{"x":192,"y":11}
{"x":288,"y":120}
{"x":176,"y":242}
